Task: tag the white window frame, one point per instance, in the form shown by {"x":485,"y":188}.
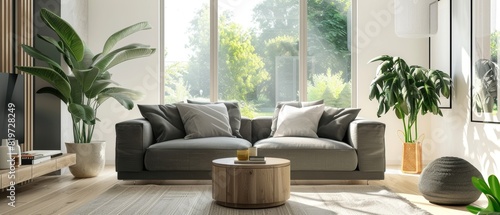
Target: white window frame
{"x":214,"y":48}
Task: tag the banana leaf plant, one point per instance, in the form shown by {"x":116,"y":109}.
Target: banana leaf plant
{"x":409,"y":91}
{"x":89,"y":83}
{"x":492,"y":193}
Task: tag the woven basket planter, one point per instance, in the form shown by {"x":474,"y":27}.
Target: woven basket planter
{"x":412,"y":158}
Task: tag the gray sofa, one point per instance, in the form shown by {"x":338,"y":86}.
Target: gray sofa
{"x":359,"y":156}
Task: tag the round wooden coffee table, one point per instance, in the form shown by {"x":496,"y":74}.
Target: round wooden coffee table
{"x":251,"y":185}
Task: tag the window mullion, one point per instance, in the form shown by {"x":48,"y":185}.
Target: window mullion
{"x":303,"y":51}
{"x":214,"y":44}
{"x":161,"y":77}
{"x":354,"y":60}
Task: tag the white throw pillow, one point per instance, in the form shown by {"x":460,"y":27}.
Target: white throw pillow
{"x":298,"y":122}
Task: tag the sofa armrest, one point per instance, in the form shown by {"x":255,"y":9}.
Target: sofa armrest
{"x":133,"y":137}
{"x":368,"y":137}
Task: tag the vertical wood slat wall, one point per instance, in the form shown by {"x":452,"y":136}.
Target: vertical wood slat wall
{"x":6,"y":28}
{"x":24,"y":32}
{"x":16,"y":29}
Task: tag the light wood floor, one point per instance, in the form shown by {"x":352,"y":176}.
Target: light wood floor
{"x":62,"y":194}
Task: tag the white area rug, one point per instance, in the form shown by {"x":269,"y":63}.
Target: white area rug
{"x":197,"y":199}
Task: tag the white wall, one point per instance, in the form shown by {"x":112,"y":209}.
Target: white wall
{"x":454,"y":134}
{"x":105,"y":18}
{"x":450,"y":135}
{"x":75,"y":13}
{"x":376,"y":36}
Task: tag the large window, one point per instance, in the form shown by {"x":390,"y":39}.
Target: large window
{"x":258,"y":52}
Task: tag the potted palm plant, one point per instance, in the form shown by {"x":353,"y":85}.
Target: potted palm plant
{"x":409,"y":91}
{"x":87,"y":85}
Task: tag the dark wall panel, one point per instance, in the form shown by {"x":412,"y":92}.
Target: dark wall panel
{"x":47,"y":108}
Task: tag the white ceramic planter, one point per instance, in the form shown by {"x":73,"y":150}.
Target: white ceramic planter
{"x":90,"y":158}
{"x":4,"y":155}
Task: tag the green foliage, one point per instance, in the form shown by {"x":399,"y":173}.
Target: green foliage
{"x":409,"y":91}
{"x":328,"y":39}
{"x":176,"y":89}
{"x":248,"y":110}
{"x":492,"y":193}
{"x":345,"y":96}
{"x":276,"y":18}
{"x":494,"y":39}
{"x":282,"y":46}
{"x":240,"y":68}
{"x":278,"y":27}
{"x":89,"y":84}
{"x":198,"y":75}
{"x":485,"y":86}
{"x":331,"y":88}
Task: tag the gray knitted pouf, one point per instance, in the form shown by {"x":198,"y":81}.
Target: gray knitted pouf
{"x":447,"y":181}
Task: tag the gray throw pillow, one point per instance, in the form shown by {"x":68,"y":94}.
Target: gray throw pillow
{"x":335,"y":121}
{"x":165,"y":121}
{"x":233,"y":109}
{"x":210,"y":120}
{"x":274,"y":123}
{"x":299,"y":122}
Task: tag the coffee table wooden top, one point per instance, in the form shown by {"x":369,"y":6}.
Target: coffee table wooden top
{"x":270,"y":163}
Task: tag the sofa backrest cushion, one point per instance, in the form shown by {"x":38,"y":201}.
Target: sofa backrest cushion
{"x":165,"y":121}
{"x":233,"y":110}
{"x":246,"y":128}
{"x":334,"y":122}
{"x":261,"y":128}
{"x":208,"y":120}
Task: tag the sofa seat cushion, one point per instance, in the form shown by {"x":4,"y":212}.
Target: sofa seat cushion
{"x":191,"y":154}
{"x":304,"y":153}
